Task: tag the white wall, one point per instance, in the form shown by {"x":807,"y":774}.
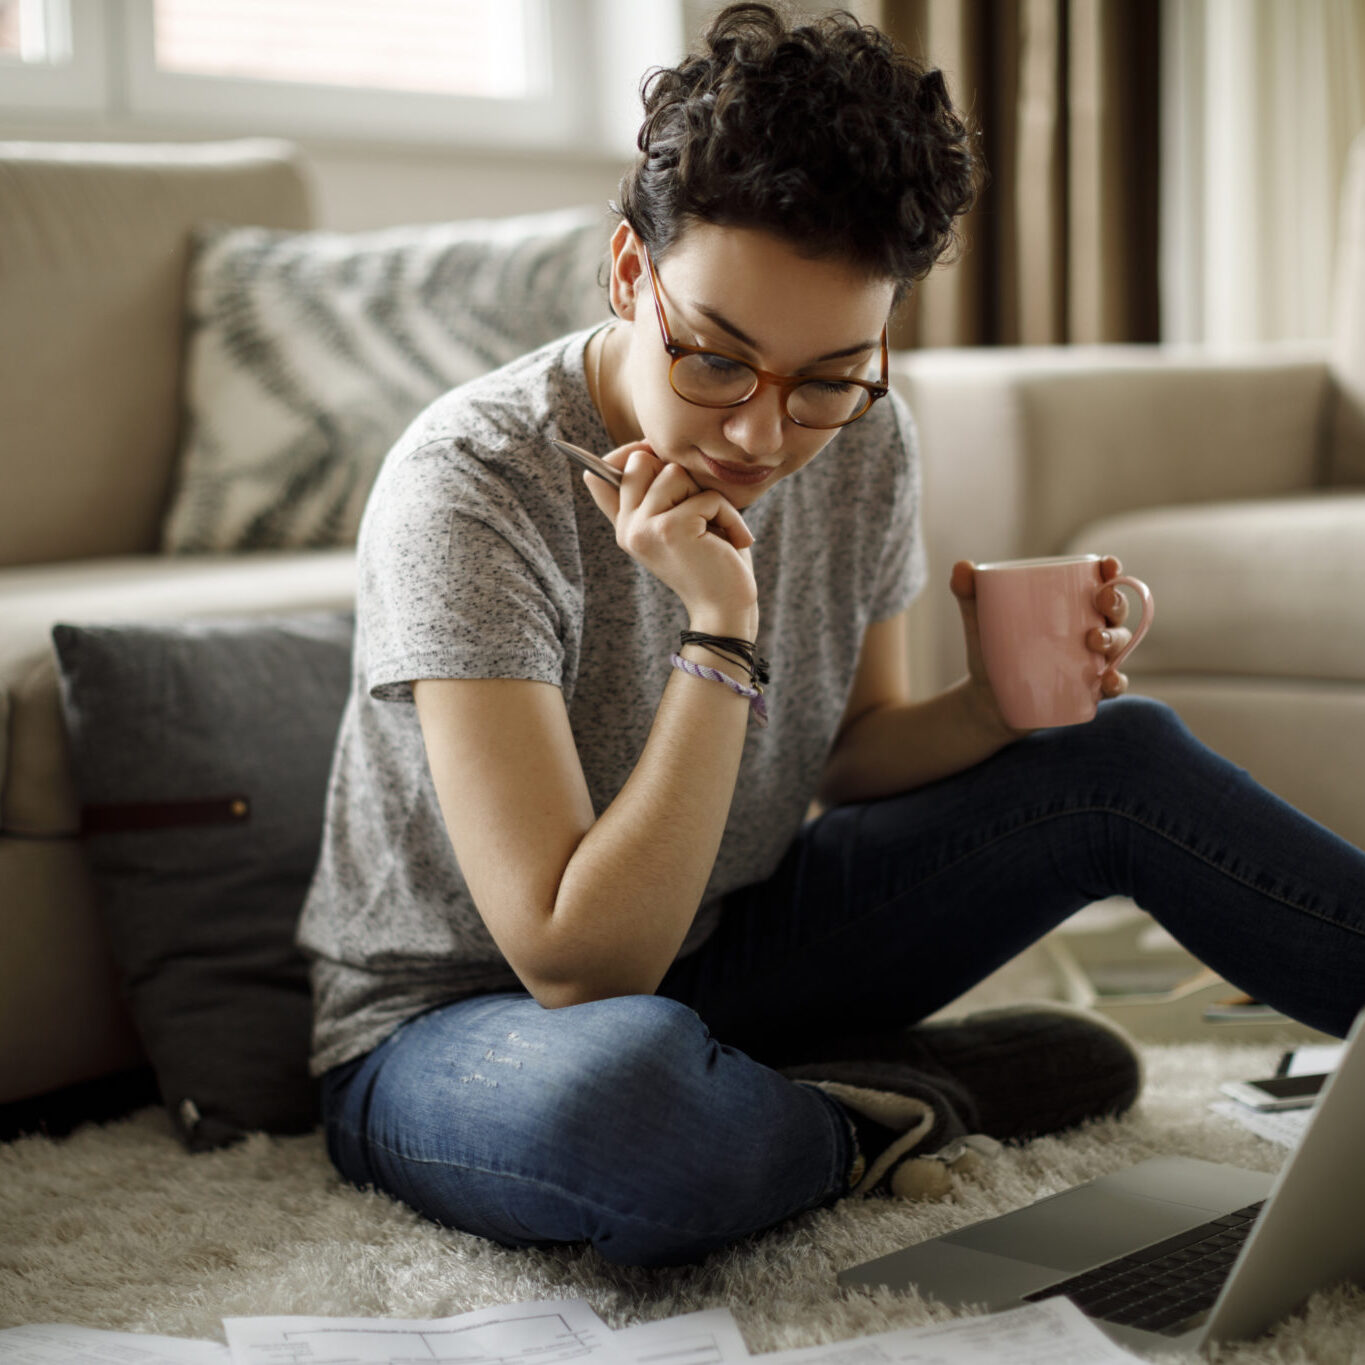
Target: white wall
{"x":360,"y":187}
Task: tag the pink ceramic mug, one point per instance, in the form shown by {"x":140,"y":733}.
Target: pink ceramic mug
{"x":1034,"y":615}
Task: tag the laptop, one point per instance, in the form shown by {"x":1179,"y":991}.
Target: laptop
{"x":1174,"y":1253}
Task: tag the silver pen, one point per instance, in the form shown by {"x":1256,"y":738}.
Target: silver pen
{"x":589,"y":461}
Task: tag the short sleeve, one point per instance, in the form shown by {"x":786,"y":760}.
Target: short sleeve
{"x":904,"y":569}
{"x":456,"y":580}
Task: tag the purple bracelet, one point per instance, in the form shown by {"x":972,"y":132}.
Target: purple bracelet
{"x":757,"y":704}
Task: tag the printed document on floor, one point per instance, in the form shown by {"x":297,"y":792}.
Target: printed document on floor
{"x":57,"y":1343}
{"x":568,"y":1332}
{"x":1053,"y":1332}
{"x":557,"y":1332}
{"x":710,"y":1337}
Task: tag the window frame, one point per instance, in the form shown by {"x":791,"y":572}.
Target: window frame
{"x":112,"y":74}
{"x":77,"y":83}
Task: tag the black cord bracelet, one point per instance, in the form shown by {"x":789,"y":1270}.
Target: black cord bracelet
{"x":734,"y":648}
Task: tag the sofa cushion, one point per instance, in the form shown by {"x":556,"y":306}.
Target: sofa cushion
{"x":1263,"y":589}
{"x":201,"y":752}
{"x":310,"y":352}
{"x":37,"y":799}
{"x":94,"y":247}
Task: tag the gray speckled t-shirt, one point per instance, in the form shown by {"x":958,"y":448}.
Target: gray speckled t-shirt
{"x":481,"y":554}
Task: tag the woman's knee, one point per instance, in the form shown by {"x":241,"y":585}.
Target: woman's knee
{"x":621,"y":1122}
{"x":1133,"y":733}
{"x":1142,"y":720}
{"x":1137,"y":755}
{"x":541,"y":1093}
{"x":619,"y":1069}
{"x":689,"y":1143}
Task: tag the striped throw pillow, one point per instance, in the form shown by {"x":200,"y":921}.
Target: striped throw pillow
{"x":310,"y":352}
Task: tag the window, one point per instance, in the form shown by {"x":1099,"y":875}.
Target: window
{"x":492,"y":72}
{"x":51,"y":55}
{"x":34,"y":32}
{"x":442,"y":47}
{"x":426,"y":69}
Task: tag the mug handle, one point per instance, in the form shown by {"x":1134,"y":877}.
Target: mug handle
{"x":1148,"y":611}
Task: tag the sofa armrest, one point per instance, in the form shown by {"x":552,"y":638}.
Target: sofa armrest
{"x":1024,"y":447}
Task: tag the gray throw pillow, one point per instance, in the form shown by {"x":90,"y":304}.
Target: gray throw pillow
{"x":308,"y":353}
{"x":201,"y":752}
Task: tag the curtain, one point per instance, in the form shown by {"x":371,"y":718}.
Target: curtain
{"x":1063,"y":243}
{"x":1262,"y":101}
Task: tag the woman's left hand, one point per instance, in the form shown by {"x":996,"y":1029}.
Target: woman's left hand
{"x":1107,"y":640}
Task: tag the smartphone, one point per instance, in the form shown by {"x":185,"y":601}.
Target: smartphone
{"x":589,"y":461}
{"x":1277,"y":1092}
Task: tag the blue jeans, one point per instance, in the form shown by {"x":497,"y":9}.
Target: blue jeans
{"x":656,"y":1128}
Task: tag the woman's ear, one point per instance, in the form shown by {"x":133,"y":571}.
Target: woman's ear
{"x":627,"y":266}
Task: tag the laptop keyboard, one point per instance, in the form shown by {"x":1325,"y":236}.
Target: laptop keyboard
{"x":1166,"y":1287}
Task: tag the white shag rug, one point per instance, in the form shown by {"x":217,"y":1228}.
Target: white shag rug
{"x":118,"y":1227}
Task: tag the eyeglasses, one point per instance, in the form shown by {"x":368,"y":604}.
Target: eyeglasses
{"x":713,"y":379}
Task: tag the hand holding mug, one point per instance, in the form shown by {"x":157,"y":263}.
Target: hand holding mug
{"x":1048,"y":635}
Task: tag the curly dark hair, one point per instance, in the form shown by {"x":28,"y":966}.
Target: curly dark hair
{"x":823,"y":133}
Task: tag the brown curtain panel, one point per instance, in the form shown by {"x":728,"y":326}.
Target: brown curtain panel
{"x":1062,"y":245}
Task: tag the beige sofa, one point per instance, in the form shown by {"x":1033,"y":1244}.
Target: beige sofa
{"x":1224,"y":483}
{"x":93,"y":255}
{"x":1232,"y":483}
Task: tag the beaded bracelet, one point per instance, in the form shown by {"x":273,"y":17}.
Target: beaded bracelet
{"x":757,"y":705}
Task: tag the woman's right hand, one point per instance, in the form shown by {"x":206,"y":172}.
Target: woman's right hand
{"x":690,"y":538}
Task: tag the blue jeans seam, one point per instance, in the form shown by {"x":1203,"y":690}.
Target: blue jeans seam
{"x":1161,"y":834}
{"x":980,"y":848}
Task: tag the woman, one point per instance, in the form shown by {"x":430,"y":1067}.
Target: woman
{"x":583,"y":969}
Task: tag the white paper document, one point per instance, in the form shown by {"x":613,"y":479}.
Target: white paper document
{"x":55,"y":1343}
{"x":551,"y":1333}
{"x":711,"y":1337}
{"x":1053,"y":1332}
{"x":1284,"y":1126}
